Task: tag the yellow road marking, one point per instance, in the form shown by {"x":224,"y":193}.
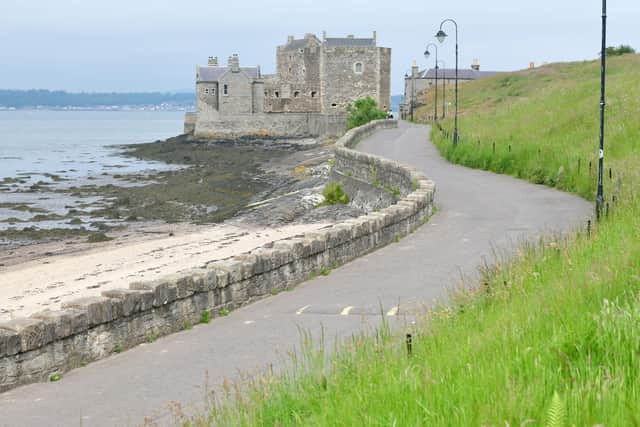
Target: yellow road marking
{"x":345,"y":311}
{"x":299,"y":312}
{"x":393,"y":311}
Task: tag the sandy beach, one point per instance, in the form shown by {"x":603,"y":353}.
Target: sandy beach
{"x":46,"y":281}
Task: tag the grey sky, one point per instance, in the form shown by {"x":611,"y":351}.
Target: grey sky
{"x":143,"y":45}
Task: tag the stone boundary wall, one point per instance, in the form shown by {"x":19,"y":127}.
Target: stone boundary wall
{"x":91,"y":328}
{"x":281,"y":125}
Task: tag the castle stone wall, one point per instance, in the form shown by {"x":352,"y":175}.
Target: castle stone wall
{"x":289,"y":125}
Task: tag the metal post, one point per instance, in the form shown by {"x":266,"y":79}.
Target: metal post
{"x":444,"y":86}
{"x":603,"y":59}
{"x":435,"y":102}
{"x":441,"y":35}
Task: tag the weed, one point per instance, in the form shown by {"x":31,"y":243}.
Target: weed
{"x":223,"y":312}
{"x":205,"y":316}
{"x":55,"y":377}
{"x":334,"y":194}
{"x":117,"y":348}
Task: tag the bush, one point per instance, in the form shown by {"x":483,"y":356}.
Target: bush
{"x":620,"y":50}
{"x":334,"y":194}
{"x":363,"y":111}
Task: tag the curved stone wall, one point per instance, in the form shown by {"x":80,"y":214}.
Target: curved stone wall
{"x":87,"y":329}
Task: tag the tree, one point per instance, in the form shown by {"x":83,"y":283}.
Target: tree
{"x":620,"y":50}
{"x":363,"y":111}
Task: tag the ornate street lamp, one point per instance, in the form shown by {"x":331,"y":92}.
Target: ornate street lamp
{"x":441,"y":35}
{"x":603,"y":70}
{"x":435,"y":102}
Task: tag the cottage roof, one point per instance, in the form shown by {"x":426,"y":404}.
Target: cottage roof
{"x":212,"y":74}
{"x":350,"y":42}
{"x":450,"y":73}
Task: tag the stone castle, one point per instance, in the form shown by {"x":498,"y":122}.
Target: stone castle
{"x":314,"y":83}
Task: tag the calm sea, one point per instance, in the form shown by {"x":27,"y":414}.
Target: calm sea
{"x":77,"y":144}
{"x":69,"y":148}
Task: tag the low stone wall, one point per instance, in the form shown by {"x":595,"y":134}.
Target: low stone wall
{"x":87,"y":329}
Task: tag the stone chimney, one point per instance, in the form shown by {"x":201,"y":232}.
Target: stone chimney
{"x":375,"y":36}
{"x":213,"y":61}
{"x":532,"y":65}
{"x":475,"y":65}
{"x":289,"y":39}
{"x":414,"y":70}
{"x":324,"y":36}
{"x":234,"y":63}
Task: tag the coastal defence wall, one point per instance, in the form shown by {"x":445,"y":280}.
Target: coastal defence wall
{"x":88,"y":329}
{"x":283,"y":125}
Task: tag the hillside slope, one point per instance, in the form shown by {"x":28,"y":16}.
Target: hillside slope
{"x":549,"y":339}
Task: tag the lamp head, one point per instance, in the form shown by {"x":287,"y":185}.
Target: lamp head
{"x":427,"y":54}
{"x":441,"y":36}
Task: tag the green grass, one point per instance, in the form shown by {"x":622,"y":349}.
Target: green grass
{"x":550,"y":338}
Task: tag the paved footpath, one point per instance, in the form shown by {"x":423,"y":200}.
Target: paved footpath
{"x":479,"y":213}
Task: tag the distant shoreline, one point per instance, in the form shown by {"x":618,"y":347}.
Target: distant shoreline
{"x":151,"y":107}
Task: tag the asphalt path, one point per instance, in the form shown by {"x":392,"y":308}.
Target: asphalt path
{"x":480,"y":215}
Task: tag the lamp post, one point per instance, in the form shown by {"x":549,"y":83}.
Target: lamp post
{"x":441,"y":35}
{"x":435,"y":102}
{"x":413,"y":91}
{"x":603,"y":70}
{"x":444,"y":85}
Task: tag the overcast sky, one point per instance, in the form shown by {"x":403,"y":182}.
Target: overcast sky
{"x":144,"y":45}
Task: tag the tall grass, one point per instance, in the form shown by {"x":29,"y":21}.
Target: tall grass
{"x":550,"y":338}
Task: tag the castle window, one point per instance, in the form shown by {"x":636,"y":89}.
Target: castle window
{"x":277,"y":94}
{"x":295,"y":94}
{"x":301,"y":50}
{"x":266,"y":93}
{"x":225,"y":90}
{"x":206,"y":91}
{"x":213,"y":91}
{"x":334,"y":105}
{"x":358,"y":68}
{"x":313,"y":94}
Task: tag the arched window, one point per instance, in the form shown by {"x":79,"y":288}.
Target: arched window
{"x":358,"y":68}
{"x":295,"y":94}
{"x":277,"y":94}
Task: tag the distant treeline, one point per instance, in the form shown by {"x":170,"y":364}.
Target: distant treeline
{"x":59,"y":98}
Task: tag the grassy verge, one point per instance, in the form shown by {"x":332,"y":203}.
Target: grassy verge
{"x":551,"y":338}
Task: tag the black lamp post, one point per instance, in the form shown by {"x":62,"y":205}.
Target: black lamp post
{"x":603,"y":70}
{"x":435,"y":102}
{"x":444,"y":85}
{"x":441,"y":35}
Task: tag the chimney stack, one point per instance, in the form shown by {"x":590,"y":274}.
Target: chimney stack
{"x":375,"y":36}
{"x":289,"y":39}
{"x":532,"y":65}
{"x":414,"y":69}
{"x":324,"y":36}
{"x":234,"y":63}
{"x":350,"y":36}
{"x":213,"y":61}
{"x":475,"y":65}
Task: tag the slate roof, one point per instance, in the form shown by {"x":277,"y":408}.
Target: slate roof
{"x":212,"y":74}
{"x":350,"y":42}
{"x":450,"y":73}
